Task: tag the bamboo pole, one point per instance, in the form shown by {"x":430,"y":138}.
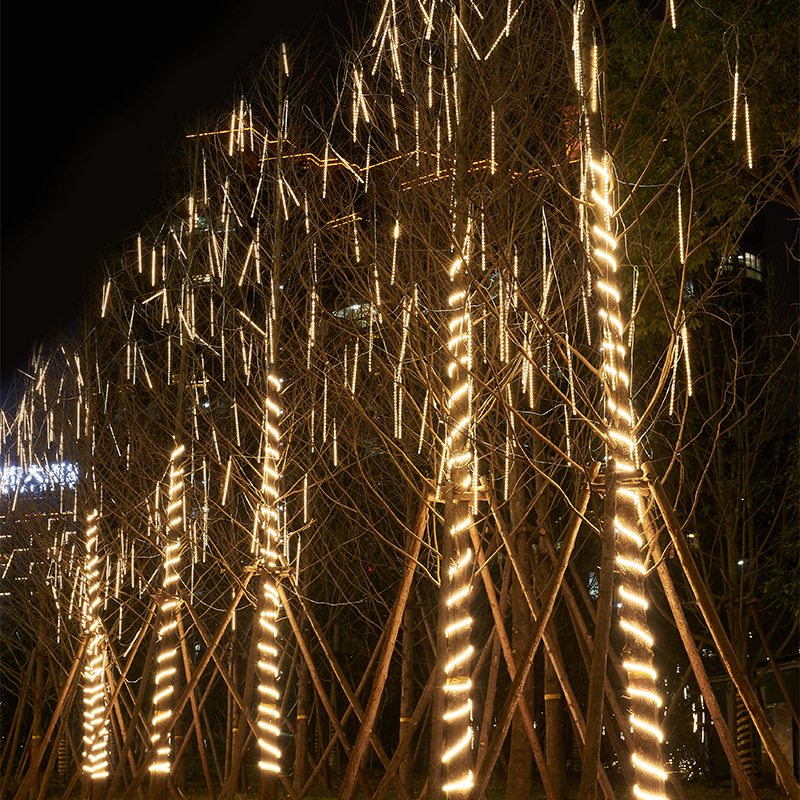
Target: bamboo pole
{"x":505,"y":644}
{"x":348,"y":787}
{"x":66,"y":695}
{"x":726,"y":652}
{"x":323,"y":697}
{"x":696,"y":662}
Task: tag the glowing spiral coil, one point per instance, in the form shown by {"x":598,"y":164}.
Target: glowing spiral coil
{"x":95,"y":736}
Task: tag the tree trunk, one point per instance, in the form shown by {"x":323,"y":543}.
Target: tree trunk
{"x":554,"y":730}
{"x":520,"y":763}
{"x":304,"y":698}
{"x":605,"y":598}
{"x":407,"y":696}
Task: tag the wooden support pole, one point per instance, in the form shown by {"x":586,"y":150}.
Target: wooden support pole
{"x":16,"y":725}
{"x":505,"y":644}
{"x":181,"y":702}
{"x":51,"y":762}
{"x":612,"y":715}
{"x":187,"y":666}
{"x":352,"y":698}
{"x":542,"y":617}
{"x":406,"y":735}
{"x":332,"y":743}
{"x":602,"y":631}
{"x":348,"y":787}
{"x":125,"y":750}
{"x":240,"y":734}
{"x":315,"y":679}
{"x":717,"y":717}
{"x":724,"y":648}
{"x":65,"y":697}
{"x":773,"y":662}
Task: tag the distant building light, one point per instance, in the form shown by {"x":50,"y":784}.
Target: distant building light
{"x":749,"y":265}
{"x":38,"y":479}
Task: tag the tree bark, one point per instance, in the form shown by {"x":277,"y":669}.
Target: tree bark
{"x":597,"y":677}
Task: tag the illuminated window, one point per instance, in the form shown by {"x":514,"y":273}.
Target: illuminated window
{"x":357,"y":313}
{"x":749,"y":265}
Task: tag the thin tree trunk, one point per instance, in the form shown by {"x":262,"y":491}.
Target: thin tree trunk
{"x":347,"y":790}
{"x":597,"y":678}
{"x":304,"y":698}
{"x":520,"y":766}
{"x":554,"y":730}
{"x":733,"y":667}
{"x":407,"y":697}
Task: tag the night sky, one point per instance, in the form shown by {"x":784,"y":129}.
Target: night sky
{"x":91,"y":102}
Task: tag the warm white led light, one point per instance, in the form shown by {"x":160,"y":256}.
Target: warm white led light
{"x":463,"y":711}
{"x":464,"y":783}
{"x":633,"y":598}
{"x":620,"y":528}
{"x":458,"y":747}
{"x":647,"y":795}
{"x":647,"y":727}
{"x":634,"y":565}
{"x":644,"y":694}
{"x":643,"y":668}
{"x":643,"y":635}
{"x":461,"y":657}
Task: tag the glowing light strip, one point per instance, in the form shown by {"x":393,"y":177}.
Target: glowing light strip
{"x":645,"y":726}
{"x":621,"y":437}
{"x":95,"y":738}
{"x":457,"y":461}
{"x":162,"y":710}
{"x":652,"y":696}
{"x":267,"y":665}
{"x":643,"y":668}
{"x":647,"y":795}
{"x":637,"y":632}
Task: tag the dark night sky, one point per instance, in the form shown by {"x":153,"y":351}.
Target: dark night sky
{"x":91,"y":100}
